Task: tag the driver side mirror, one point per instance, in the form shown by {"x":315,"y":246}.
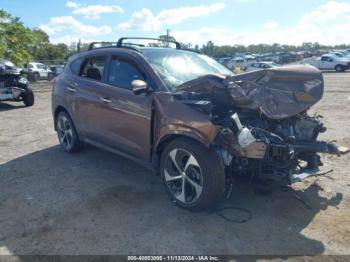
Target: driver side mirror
{"x":139,"y":87}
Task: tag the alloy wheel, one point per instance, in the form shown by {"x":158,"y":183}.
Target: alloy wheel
{"x":65,"y":132}
{"x":183,"y":176}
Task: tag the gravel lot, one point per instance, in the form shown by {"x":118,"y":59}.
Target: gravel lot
{"x":94,"y":202}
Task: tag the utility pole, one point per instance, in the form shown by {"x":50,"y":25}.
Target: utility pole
{"x":167,"y":36}
{"x":79,"y":45}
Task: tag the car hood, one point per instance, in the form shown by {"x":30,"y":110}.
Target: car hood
{"x":7,"y":68}
{"x":277,"y":92}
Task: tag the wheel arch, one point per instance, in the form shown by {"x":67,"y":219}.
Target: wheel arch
{"x":167,"y":139}
{"x":342,"y":66}
{"x":58,"y":110}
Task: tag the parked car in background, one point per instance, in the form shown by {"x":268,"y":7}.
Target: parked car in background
{"x":14,"y":87}
{"x":261,"y":65}
{"x":329,"y":62}
{"x":269,"y":57}
{"x":249,"y":59}
{"x":224,"y":60}
{"x":239,"y":62}
{"x":341,"y":54}
{"x":37,"y":71}
{"x":56,"y":69}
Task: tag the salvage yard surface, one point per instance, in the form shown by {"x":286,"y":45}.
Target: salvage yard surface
{"x":95,"y":202}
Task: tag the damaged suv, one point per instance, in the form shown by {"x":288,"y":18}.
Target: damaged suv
{"x":190,"y":119}
{"x":14,"y":87}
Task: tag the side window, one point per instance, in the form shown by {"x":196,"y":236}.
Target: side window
{"x":40,"y":66}
{"x":122,"y":73}
{"x":324,"y":58}
{"x":330,"y":59}
{"x":93,"y":67}
{"x":75,"y":65}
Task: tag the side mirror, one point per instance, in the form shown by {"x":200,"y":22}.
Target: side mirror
{"x":139,"y":87}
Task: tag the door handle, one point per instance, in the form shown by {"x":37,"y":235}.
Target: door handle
{"x":123,"y":101}
{"x":105,"y":100}
{"x":70,"y":89}
{"x":73,"y":84}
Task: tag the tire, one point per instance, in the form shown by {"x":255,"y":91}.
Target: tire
{"x":36,"y":77}
{"x":50,"y":76}
{"x":193,"y":175}
{"x":339,"y":68}
{"x":30,"y":77}
{"x":67,"y":134}
{"x":28,"y":97}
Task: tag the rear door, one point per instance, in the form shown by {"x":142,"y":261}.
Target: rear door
{"x":88,"y":90}
{"x":108,"y":111}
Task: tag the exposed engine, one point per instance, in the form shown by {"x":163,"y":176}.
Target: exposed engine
{"x":13,"y":87}
{"x":275,"y":147}
{"x":263,"y":121}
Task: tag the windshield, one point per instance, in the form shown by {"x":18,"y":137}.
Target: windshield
{"x":176,"y":67}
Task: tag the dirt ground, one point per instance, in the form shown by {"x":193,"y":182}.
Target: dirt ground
{"x":95,"y":202}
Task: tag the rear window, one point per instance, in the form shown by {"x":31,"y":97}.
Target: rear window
{"x":40,"y":66}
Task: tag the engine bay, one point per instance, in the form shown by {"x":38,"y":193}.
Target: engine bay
{"x":258,"y":132}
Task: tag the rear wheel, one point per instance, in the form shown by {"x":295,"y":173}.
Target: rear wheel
{"x":50,"y":76}
{"x":36,"y":77}
{"x":67,"y":134}
{"x":193,"y":175}
{"x":28,"y":97}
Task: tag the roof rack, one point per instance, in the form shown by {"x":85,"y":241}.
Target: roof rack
{"x":123,"y":44}
{"x":120,"y":41}
{"x":104,"y":45}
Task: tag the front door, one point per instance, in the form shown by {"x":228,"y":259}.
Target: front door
{"x":128,"y":116}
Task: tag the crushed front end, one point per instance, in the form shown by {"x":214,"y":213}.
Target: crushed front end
{"x":264,"y":127}
{"x":13,"y":87}
{"x":277,"y":149}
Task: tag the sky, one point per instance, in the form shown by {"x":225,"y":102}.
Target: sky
{"x":225,"y":22}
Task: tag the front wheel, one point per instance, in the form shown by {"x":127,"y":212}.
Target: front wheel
{"x":28,"y":97}
{"x":193,"y":175}
{"x":339,"y":68}
{"x":50,"y":76}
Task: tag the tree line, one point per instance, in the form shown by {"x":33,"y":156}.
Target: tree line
{"x":213,"y":50}
{"x":21,"y":44}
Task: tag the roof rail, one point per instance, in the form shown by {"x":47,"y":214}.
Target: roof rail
{"x":120,"y":41}
{"x":104,"y":45}
{"x":192,"y":50}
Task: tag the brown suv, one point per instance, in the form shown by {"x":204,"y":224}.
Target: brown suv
{"x":190,"y":119}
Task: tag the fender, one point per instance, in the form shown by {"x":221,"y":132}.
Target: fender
{"x":173,"y":118}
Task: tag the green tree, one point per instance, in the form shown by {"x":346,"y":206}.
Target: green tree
{"x":21,"y":44}
{"x":208,"y":48}
{"x":15,"y":39}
